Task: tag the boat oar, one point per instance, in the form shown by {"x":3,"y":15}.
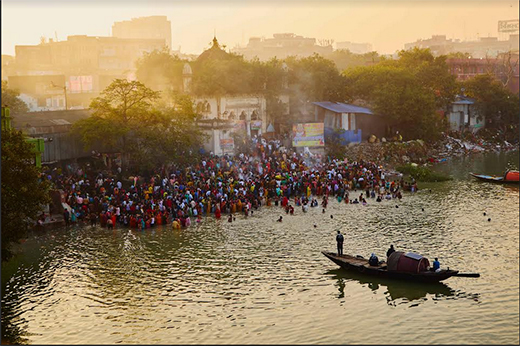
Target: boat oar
{"x":468,"y":275}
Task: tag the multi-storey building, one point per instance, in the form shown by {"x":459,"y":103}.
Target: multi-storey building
{"x":482,"y":48}
{"x":357,"y":48}
{"x":87,"y":64}
{"x":505,"y":68}
{"x":282,"y":46}
{"x":153,"y":27}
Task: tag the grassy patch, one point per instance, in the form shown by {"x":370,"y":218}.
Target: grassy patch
{"x":423,"y":174}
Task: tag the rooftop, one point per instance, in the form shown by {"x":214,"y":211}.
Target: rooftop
{"x":340,"y":107}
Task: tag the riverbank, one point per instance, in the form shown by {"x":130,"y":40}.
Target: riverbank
{"x":394,"y":154}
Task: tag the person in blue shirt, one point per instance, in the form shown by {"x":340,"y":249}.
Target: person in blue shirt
{"x":436,"y":264}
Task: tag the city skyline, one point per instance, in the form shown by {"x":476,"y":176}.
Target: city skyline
{"x":385,"y":25}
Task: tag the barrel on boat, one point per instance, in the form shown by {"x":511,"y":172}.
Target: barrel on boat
{"x":408,"y":262}
{"x":512,"y":176}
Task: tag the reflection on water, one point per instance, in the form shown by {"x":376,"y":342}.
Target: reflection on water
{"x":259,"y":281}
{"x":396,"y":291}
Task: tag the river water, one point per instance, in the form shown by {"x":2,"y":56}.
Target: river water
{"x":259,"y":281}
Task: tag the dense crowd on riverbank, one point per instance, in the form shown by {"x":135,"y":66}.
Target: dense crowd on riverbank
{"x":221,"y":185}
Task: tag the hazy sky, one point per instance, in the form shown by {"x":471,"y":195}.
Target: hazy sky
{"x":387,"y":25}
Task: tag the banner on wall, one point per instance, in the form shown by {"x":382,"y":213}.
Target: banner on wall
{"x":256,"y":124}
{"x":78,"y":84}
{"x":227,"y":144}
{"x":308,"y":135}
{"x":240,"y":125}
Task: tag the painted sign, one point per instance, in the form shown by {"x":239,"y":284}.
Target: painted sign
{"x":256,"y":124}
{"x":240,"y":125}
{"x":78,"y":84}
{"x":508,"y":25}
{"x":227,"y":144}
{"x":308,"y":135}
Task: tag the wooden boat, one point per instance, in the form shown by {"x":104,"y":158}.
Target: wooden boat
{"x":510,"y":177}
{"x":402,"y":266}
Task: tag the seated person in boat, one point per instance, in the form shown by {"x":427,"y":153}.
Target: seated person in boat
{"x":436,"y":265}
{"x":373,"y":260}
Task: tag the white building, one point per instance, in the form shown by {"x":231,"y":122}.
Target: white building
{"x":464,"y":115}
{"x":244,"y":114}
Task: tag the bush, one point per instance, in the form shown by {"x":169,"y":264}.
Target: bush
{"x":422,"y":173}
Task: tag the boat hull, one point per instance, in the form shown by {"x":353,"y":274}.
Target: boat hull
{"x":361,"y":265}
{"x":493,"y":179}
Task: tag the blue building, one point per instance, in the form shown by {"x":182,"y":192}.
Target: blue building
{"x":359,"y":123}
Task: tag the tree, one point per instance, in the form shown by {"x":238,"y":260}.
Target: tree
{"x":127,"y":119}
{"x":119,"y":112}
{"x":335,"y":146}
{"x":230,"y":74}
{"x":433,"y":73}
{"x":10,"y":98}
{"x":160,"y":70}
{"x":408,"y":91}
{"x":343,"y":58}
{"x":317,"y":77}
{"x":23,"y":191}
{"x":498,"y":105}
{"x":458,"y":55}
{"x":173,"y":137}
{"x":313,"y":79}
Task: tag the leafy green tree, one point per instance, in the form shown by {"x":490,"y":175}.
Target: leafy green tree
{"x":10,"y":98}
{"x":344,"y":58}
{"x":220,"y":77}
{"x":408,"y":91}
{"x":433,"y":73}
{"x":497,"y":104}
{"x":313,"y":79}
{"x":458,"y":55}
{"x":317,"y":77}
{"x":160,"y":70}
{"x":173,"y":137}
{"x":334,"y":145}
{"x":126,"y":118}
{"x":24,"y":193}
{"x":118,"y":113}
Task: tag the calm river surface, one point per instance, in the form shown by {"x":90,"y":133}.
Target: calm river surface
{"x":259,"y":281}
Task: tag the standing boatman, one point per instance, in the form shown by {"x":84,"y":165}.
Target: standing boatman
{"x":339,"y":240}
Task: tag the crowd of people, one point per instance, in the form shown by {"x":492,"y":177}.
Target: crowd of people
{"x":230,"y":185}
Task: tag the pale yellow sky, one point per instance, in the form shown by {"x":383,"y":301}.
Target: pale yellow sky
{"x":387,"y":25}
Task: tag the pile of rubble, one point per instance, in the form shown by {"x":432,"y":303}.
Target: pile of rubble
{"x":393,"y":154}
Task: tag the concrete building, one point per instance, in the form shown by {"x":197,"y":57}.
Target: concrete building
{"x":358,"y":48}
{"x":282,"y":46}
{"x":153,"y":27}
{"x":481,"y":48}
{"x":53,"y":127}
{"x":7,"y":65}
{"x":505,"y":68}
{"x":88,"y":65}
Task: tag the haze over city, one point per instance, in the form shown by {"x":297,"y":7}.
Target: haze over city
{"x":386,"y":25}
